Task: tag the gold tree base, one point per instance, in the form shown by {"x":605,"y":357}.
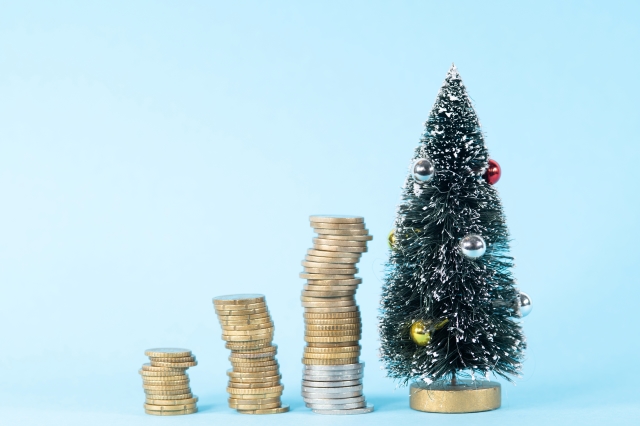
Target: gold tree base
{"x":465,"y":396}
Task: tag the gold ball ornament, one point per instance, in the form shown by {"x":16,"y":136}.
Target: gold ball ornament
{"x":391,"y":239}
{"x":420,"y":334}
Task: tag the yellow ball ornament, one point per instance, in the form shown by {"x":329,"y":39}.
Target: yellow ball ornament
{"x":420,"y":334}
{"x":391,"y":239}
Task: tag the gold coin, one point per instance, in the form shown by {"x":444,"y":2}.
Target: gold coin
{"x":238,"y":299}
{"x":332,"y":327}
{"x":259,"y":374}
{"x":245,"y":338}
{"x":239,"y":306}
{"x":337,"y":361}
{"x":273,"y":389}
{"x":254,"y":357}
{"x":338,"y":355}
{"x":166,"y":387}
{"x":332,"y":322}
{"x":167,"y":352}
{"x":342,"y":243}
{"x":270,"y":363}
{"x":337,"y":309}
{"x":247,"y":327}
{"x":172,"y":401}
{"x":329,"y":344}
{"x":327,"y":300}
{"x":331,"y":218}
{"x":327,"y":294}
{"x":332,"y":253}
{"x":337,"y":248}
{"x":239,"y":312}
{"x":164,"y":375}
{"x":174,"y":364}
{"x":256,"y":352}
{"x":171,"y":413}
{"x":333,"y":333}
{"x":329,"y":304}
{"x":327,"y":265}
{"x":331,"y":315}
{"x":242,"y":385}
{"x":153,"y":407}
{"x":260,"y":379}
{"x":262,"y":330}
{"x":341,"y":231}
{"x":184,"y":393}
{"x":165,"y":383}
{"x":243,"y":317}
{"x":329,"y":288}
{"x":346,"y":262}
{"x":258,"y":401}
{"x":343,"y":271}
{"x":325,"y":276}
{"x":344,"y":349}
{"x":241,"y":346}
{"x":156,"y":397}
{"x":256,"y":406}
{"x":346,"y":237}
{"x":335,"y":339}
{"x":273,"y":369}
{"x":349,"y":282}
{"x":148,"y":367}
{"x":174,"y":359}
{"x":254,"y":321}
{"x":279,"y":410}
{"x":254,"y":398}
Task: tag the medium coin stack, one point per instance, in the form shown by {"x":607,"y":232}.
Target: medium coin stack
{"x":332,"y":376}
{"x":254,"y":382}
{"x":166,"y":383}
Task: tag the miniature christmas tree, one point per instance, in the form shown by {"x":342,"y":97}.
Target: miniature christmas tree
{"x":449,"y":302}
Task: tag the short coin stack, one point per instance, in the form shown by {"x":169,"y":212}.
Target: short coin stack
{"x":166,"y":383}
{"x":332,"y":376}
{"x":254,"y":382}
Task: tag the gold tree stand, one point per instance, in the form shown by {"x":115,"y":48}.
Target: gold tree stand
{"x":457,"y":396}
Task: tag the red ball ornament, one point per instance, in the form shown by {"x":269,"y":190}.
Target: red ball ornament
{"x":493,"y":172}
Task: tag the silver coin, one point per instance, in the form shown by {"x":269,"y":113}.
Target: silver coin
{"x":341,"y":378}
{"x":335,"y":401}
{"x":335,"y":367}
{"x":367,"y":409}
{"x":331,"y":384}
{"x":337,"y":406}
{"x":320,"y":395}
{"x":336,"y":374}
{"x":343,"y":389}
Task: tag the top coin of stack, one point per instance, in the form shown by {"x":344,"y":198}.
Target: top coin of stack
{"x":254,"y":382}
{"x":166,"y":383}
{"x":332,"y":317}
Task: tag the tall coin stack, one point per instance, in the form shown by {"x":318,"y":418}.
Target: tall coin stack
{"x":166,"y":383}
{"x":254,"y":382}
{"x":332,"y":376}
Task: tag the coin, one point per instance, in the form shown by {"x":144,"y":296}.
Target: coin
{"x":169,"y":407}
{"x":174,"y":364}
{"x":332,"y":361}
{"x":330,"y":271}
{"x":233,"y":400}
{"x":328,"y":265}
{"x":354,"y":348}
{"x":255,"y":406}
{"x":259,"y":379}
{"x":333,"y":333}
{"x":269,"y":363}
{"x":352,"y":400}
{"x":325,"y":276}
{"x":337,"y":326}
{"x":365,"y":410}
{"x":241,"y":338}
{"x":239,"y":306}
{"x":262,"y":330}
{"x":171,"y":413}
{"x":243,"y":317}
{"x":273,"y":369}
{"x":253,"y":321}
{"x":255,"y":391}
{"x":247,"y":327}
{"x":254,"y":398}
{"x":354,"y":366}
{"x":346,"y":237}
{"x":331,"y":315}
{"x":332,"y":384}
{"x":164,"y":375}
{"x":174,"y":359}
{"x":327,"y":294}
{"x":333,"y":339}
{"x":254,"y":385}
{"x":332,"y":253}
{"x":336,"y":309}
{"x":182,"y":391}
{"x":337,"y":248}
{"x":323,"y":395}
{"x":148,"y":367}
{"x":328,"y":356}
{"x":349,"y":282}
{"x":328,"y":303}
{"x":248,"y":345}
{"x":172,"y":401}
{"x":279,"y":410}
{"x":238,"y":299}
{"x":181,"y":386}
{"x":242,"y":312}
{"x":332,"y":378}
{"x":331,"y":218}
{"x":167,"y":352}
{"x":346,"y":262}
{"x":341,"y":243}
{"x":341,"y":231}
{"x":165,"y":382}
{"x":258,"y":374}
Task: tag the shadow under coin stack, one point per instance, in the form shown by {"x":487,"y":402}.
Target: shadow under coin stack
{"x":254,"y":382}
{"x":332,"y":376}
{"x":166,"y":383}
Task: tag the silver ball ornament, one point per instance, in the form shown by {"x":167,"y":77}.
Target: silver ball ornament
{"x":422,"y":169}
{"x":524,"y":302}
{"x":473,"y":246}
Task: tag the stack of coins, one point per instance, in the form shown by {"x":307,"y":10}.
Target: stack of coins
{"x":254,"y":382}
{"x":332,"y":376}
{"x":166,"y":383}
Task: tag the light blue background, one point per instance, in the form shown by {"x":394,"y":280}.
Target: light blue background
{"x":156,"y":154}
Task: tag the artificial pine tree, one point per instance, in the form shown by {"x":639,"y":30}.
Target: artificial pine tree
{"x":449,"y":303}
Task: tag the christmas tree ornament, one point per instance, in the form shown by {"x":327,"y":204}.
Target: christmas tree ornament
{"x":492,"y":173}
{"x":524,"y":302}
{"x":473,"y":246}
{"x":422,"y":169}
{"x":391,"y":238}
{"x":430,"y":278}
